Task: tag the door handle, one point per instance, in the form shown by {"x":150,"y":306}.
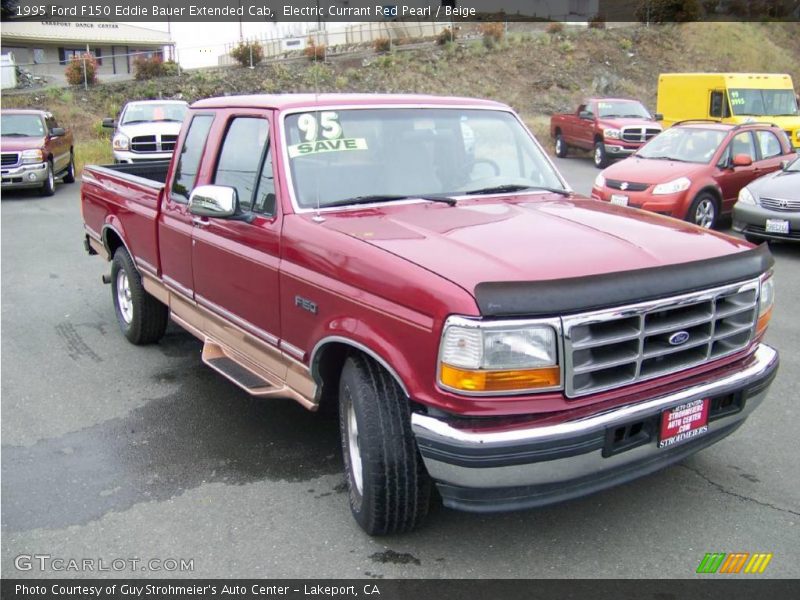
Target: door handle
{"x":200,"y":222}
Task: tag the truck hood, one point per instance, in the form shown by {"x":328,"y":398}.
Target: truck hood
{"x":646,"y":170}
{"x":620,"y":122}
{"x":533,"y":237}
{"x":18,"y":144}
{"x":151,"y":128}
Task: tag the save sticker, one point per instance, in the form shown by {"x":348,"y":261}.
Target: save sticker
{"x":342,"y":144}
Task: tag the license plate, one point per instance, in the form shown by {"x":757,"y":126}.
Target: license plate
{"x":777,"y":226}
{"x":619,"y":199}
{"x":683,"y":423}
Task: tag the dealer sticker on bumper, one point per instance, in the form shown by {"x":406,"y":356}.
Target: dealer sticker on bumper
{"x":683,"y":423}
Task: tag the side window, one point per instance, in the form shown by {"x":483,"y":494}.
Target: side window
{"x":192,"y":150}
{"x":742,"y":143}
{"x":265,"y":190}
{"x":768,"y":144}
{"x":241,"y":156}
{"x":719,"y":106}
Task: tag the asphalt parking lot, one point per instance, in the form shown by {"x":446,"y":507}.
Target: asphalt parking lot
{"x":111,"y":451}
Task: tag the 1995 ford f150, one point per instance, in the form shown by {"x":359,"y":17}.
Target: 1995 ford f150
{"x":418,"y":263}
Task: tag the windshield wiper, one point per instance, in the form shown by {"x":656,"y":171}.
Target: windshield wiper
{"x":14,"y":134}
{"x":664,"y":157}
{"x":501,"y":189}
{"x":390,"y":198}
{"x":135,"y":121}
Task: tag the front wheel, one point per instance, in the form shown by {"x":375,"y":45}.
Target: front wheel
{"x":49,"y":187}
{"x":561,"y":146}
{"x":141,"y":317}
{"x":69,"y":174}
{"x":599,"y":155}
{"x":389,"y":489}
{"x":703,"y":211}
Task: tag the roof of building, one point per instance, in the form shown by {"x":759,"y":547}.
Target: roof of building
{"x":77,"y":32}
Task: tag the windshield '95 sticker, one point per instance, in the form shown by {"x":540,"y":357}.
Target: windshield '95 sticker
{"x":311,"y":124}
{"x":319,"y":146}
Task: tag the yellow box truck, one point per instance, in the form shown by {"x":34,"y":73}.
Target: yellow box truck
{"x":730,"y":98}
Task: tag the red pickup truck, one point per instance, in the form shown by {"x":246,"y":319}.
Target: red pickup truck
{"x":609,"y":127}
{"x":418,"y":263}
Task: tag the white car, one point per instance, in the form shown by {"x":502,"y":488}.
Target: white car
{"x":146,"y":130}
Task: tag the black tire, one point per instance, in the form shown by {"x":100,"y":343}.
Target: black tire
{"x":560,"y":146}
{"x":599,"y":156}
{"x":704,"y":211}
{"x":143,"y":319}
{"x":391,"y":491}
{"x":49,"y":186}
{"x":69,"y":174}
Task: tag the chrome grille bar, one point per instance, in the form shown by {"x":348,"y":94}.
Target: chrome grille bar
{"x":610,"y":348}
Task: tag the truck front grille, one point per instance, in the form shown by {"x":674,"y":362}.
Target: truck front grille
{"x":611,"y":348}
{"x":144,"y":143}
{"x":781,"y":204}
{"x":168,"y":142}
{"x":9,"y":159}
{"x":639,"y":134}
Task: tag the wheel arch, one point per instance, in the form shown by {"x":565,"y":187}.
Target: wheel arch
{"x":705,"y":188}
{"x":327,"y":359}
{"x":113,"y":239}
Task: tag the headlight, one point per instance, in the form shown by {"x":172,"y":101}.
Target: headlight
{"x":31,"y":156}
{"x":745,"y":197}
{"x":612,"y":134}
{"x":486,"y":358}
{"x":599,"y":181}
{"x":680,"y":184}
{"x":766,"y":299}
{"x":120,"y":142}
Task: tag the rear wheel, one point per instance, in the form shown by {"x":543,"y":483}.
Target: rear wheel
{"x":389,"y":489}
{"x":599,"y":155}
{"x":141,"y":317}
{"x":49,"y":187}
{"x":703,"y":211}
{"x":561,"y":146}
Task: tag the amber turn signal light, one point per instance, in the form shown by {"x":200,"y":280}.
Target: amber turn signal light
{"x":499,"y":381}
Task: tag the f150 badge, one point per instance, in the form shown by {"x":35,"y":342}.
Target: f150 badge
{"x":305,"y":304}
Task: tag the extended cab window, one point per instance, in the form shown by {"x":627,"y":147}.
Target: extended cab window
{"x":191,"y":152}
{"x":241,"y":157}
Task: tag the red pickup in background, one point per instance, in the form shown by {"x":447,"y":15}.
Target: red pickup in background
{"x":609,"y":127}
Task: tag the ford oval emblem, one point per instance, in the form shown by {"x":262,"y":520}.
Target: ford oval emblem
{"x":678,"y":338}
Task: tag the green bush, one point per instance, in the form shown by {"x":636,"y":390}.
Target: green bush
{"x":149,"y":67}
{"x":492,"y":33}
{"x":245,"y":50}
{"x":75,"y":67}
{"x":313,"y":51}
{"x":555,"y":27}
{"x":382,"y":44}
{"x":445,"y":36}
{"x":668,"y":11}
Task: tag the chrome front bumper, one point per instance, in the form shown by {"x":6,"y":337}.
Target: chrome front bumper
{"x":32,"y":175}
{"x":535,"y":465}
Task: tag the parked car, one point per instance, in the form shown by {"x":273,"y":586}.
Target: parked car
{"x":146,"y":130}
{"x":694,"y":170}
{"x":35,"y":151}
{"x":769,"y":207}
{"x":609,"y":127}
{"x":475,"y":324}
{"x":731,"y":98}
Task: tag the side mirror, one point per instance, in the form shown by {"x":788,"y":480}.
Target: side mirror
{"x":218,"y":201}
{"x":585,"y":114}
{"x":785,"y":164}
{"x":109,"y":122}
{"x":742,"y":160}
{"x":57,"y":132}
{"x":658,"y":117}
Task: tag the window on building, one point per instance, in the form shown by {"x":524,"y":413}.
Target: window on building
{"x":38,"y":55}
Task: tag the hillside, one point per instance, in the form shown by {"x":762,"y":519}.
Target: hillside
{"x":537,"y":73}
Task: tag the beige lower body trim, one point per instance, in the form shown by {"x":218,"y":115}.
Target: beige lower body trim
{"x":289,"y":377}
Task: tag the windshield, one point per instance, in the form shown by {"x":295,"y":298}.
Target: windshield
{"x":21,"y":126}
{"x":773,"y":103}
{"x":144,"y":113}
{"x":354,"y":154}
{"x":622,"y":108}
{"x":685,"y":144}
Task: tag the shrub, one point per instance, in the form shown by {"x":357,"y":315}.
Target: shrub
{"x":149,"y":67}
{"x":445,"y":36}
{"x":382,"y":44}
{"x":492,"y":33}
{"x":555,"y":27}
{"x":245,"y":50}
{"x":597,"y":22}
{"x":314,"y":51}
{"x":75,"y":67}
{"x":667,"y":11}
